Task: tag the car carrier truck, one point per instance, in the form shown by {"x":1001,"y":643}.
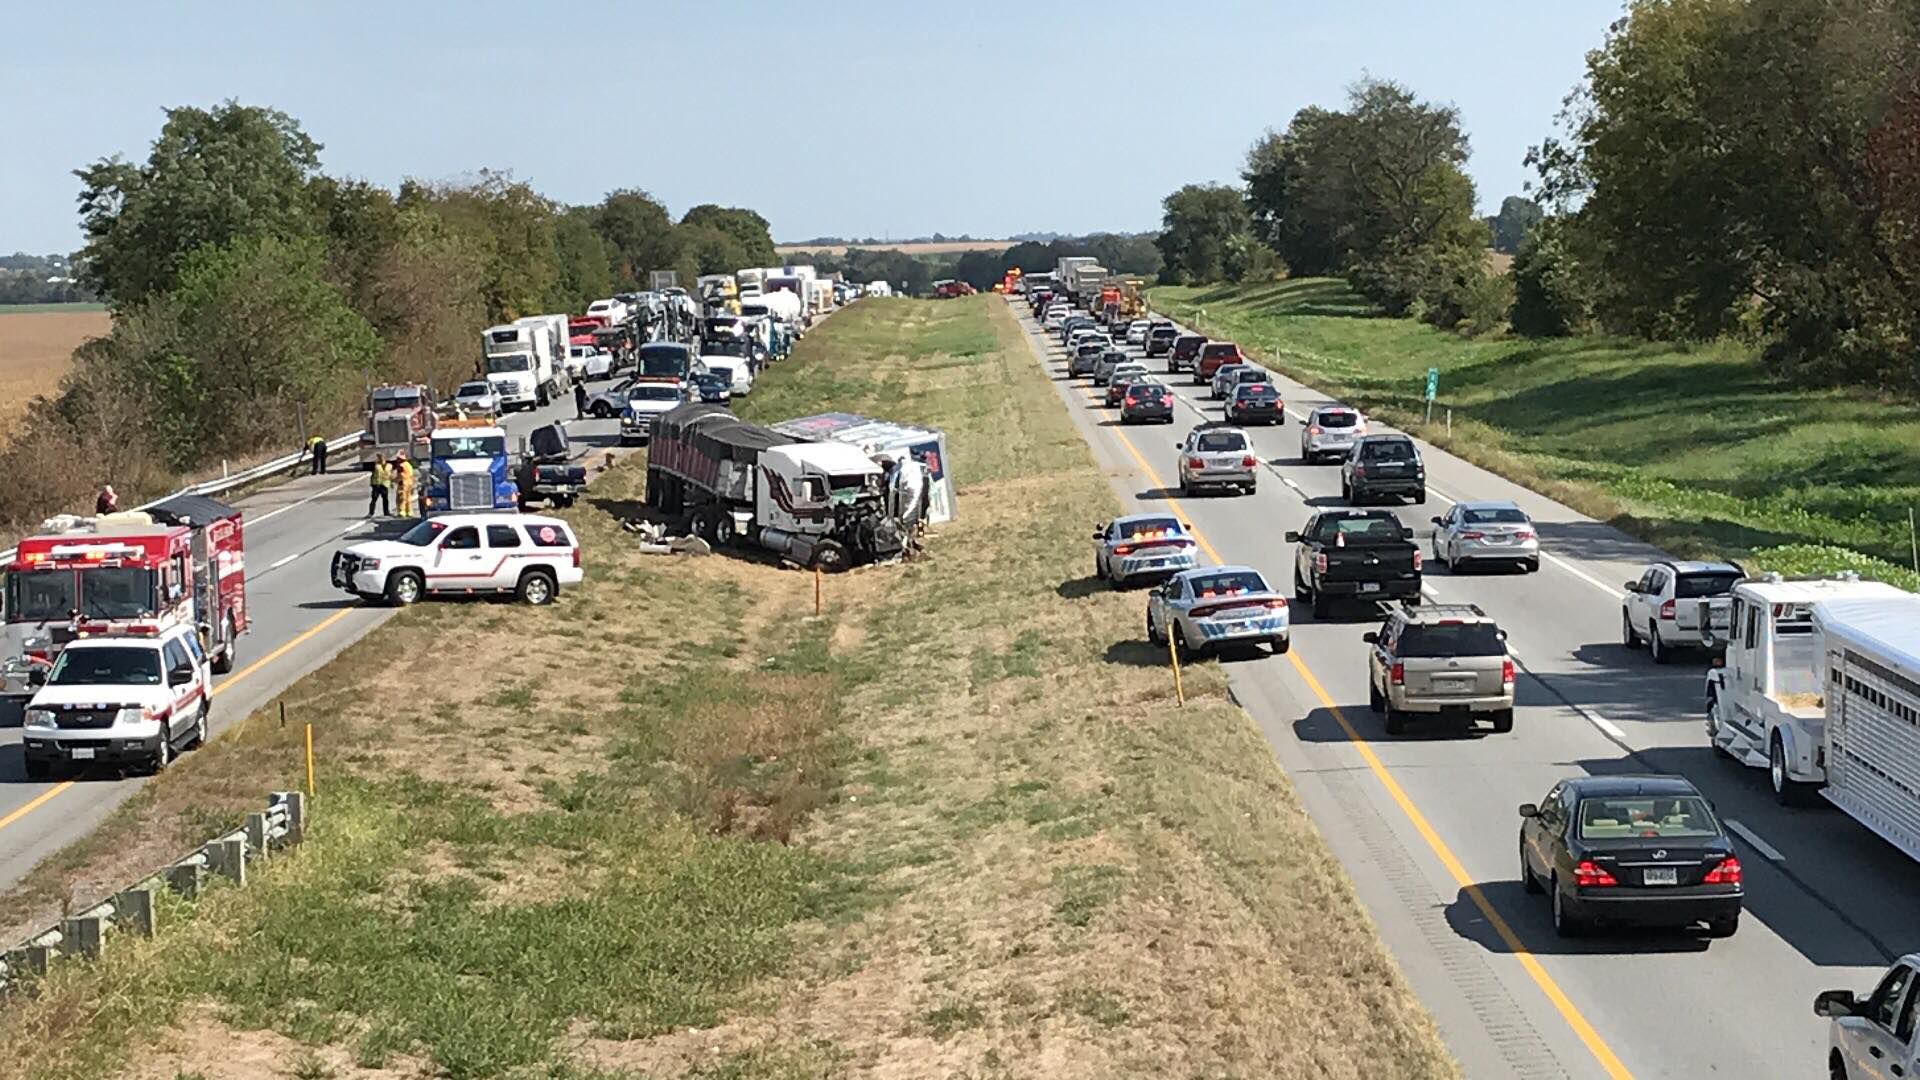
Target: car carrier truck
{"x":1820,"y":685}
{"x":818,"y":504}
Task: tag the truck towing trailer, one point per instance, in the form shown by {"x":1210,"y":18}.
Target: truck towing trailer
{"x":817,"y":504}
{"x":181,"y":560}
{"x":518,"y":359}
{"x":1820,"y":685}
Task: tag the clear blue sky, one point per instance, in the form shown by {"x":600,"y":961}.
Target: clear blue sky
{"x":829,"y":118}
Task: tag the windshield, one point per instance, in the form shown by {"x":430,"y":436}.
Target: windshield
{"x":1450,"y":639}
{"x":1220,"y":442}
{"x":1338,"y":419}
{"x":1237,"y":583}
{"x":499,"y":365}
{"x":1389,"y":450}
{"x":422,"y":534}
{"x":1145,"y":390}
{"x":1252,"y":374}
{"x":1149,"y":528}
{"x":669,"y":360}
{"x":1257,"y":392}
{"x":116,"y":592}
{"x":395,"y":399}
{"x":474,"y":389}
{"x":107,"y":666}
{"x":1501,"y":516}
{"x":1695,"y":586}
{"x":1622,"y":816}
{"x":40,"y":595}
{"x":653,"y":392}
{"x":469,"y":446}
{"x":1362,"y":530}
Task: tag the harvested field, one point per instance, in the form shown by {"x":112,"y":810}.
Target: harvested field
{"x":36,"y":347}
{"x":945,"y":247}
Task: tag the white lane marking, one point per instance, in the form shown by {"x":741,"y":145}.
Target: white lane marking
{"x":1609,"y":727}
{"x":282,"y":562}
{"x":1766,"y":850}
{"x":1288,"y":480}
{"x":320,"y":494}
{"x":355,"y":525}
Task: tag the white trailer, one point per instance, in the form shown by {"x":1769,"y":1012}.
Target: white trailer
{"x":1063,"y":268}
{"x":1770,"y":697}
{"x":552,"y":335}
{"x":1872,"y":658}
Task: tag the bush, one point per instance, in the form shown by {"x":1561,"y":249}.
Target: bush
{"x":1553,"y":293}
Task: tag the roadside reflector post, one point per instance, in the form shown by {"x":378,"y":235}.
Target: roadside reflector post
{"x":309,"y":760}
{"x":1179,"y":690}
{"x":816,"y":591}
{"x":1449,"y":422}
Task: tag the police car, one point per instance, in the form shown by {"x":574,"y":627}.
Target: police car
{"x":123,"y":699}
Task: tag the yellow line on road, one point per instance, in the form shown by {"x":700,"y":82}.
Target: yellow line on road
{"x":47,"y":796}
{"x":1568,"y":1011}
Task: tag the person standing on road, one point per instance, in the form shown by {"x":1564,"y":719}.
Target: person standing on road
{"x":402,"y":486}
{"x":378,"y":481}
{"x":318,"y":446}
{"x":579,"y":401}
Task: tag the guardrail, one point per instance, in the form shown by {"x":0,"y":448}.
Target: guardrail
{"x":229,"y":481}
{"x":281,"y":824}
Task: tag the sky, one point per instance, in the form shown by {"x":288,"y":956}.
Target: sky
{"x":842,"y":119}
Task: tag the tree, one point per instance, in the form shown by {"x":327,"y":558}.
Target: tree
{"x":511,"y":225}
{"x":213,"y":176}
{"x":1297,"y":206}
{"x":1518,"y":215}
{"x":749,"y":231}
{"x":640,"y":233}
{"x":1553,"y":292}
{"x":585,"y":262}
{"x":980,"y":269}
{"x":1199,"y":223}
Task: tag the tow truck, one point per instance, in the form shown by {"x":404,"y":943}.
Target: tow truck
{"x":179,"y":561}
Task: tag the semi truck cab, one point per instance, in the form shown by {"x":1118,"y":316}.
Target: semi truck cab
{"x":468,"y":468}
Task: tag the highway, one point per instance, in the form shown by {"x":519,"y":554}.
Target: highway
{"x":299,"y":622}
{"x":1426,"y":825}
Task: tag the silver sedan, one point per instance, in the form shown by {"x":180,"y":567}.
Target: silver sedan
{"x":1218,"y":606}
{"x":1142,"y":545}
{"x":1483,"y":532}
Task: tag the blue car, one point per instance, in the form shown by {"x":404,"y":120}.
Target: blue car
{"x":713,"y":389}
{"x":1143,"y":545}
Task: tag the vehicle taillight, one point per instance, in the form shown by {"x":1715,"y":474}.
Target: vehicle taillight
{"x":1506,"y":672}
{"x":1727,"y":873}
{"x":576,"y":557}
{"x":1320,"y":563}
{"x":1666,"y":611}
{"x":1587,"y":875}
{"x":1398,"y":673}
{"x":1313,"y":429}
{"x":1123,"y":549}
{"x":1248,"y":462}
{"x":1196,"y":463}
{"x":1419,"y":559}
{"x":1277,"y":603}
{"x":1523,"y":534}
{"x":1473,"y":536}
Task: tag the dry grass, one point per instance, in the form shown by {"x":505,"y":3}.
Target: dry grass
{"x":956,"y":828}
{"x":36,"y":349}
{"x":947,"y":247}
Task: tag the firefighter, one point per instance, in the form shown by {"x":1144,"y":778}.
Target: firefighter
{"x":318,"y":447}
{"x":402,"y":486}
{"x":580,"y":401}
{"x":378,"y":481}
{"x":106,"y":502}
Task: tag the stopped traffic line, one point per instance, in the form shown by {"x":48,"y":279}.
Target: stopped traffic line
{"x":1584,"y":1030}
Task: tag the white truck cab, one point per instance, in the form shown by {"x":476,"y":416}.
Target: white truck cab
{"x":1875,"y":1039}
{"x":1767,"y":697}
{"x":526,"y":555}
{"x":120,"y":699}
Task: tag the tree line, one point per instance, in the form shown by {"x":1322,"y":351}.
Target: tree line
{"x":40,"y":279}
{"x":1122,"y":253}
{"x":254,"y":296}
{"x":1743,"y":168}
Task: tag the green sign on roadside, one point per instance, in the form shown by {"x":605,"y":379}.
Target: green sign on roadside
{"x":1433,"y":383}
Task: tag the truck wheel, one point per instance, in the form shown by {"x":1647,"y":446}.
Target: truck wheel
{"x":1322,"y":605}
{"x":1503,"y":721}
{"x":1786,"y":790}
{"x":199,"y":738}
{"x":830,"y":556}
{"x":1374,"y":701}
{"x":163,"y":751}
{"x":223,"y":661}
{"x":536,"y":588}
{"x":405,"y":587}
{"x":724,"y":531}
{"x":38,"y":770}
{"x":1299,"y":587}
{"x":1396,"y":720}
{"x":601,"y":410}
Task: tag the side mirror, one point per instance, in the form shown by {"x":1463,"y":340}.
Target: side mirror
{"x":1292,"y":537}
{"x":1371,"y":637}
{"x":1501,"y":634}
{"x":1187,"y":525}
{"x":1099,"y":534}
{"x":1528,"y":809}
{"x":1436,"y":521}
{"x":1632,"y":586}
{"x":179,"y":675}
{"x":1834,"y":1004}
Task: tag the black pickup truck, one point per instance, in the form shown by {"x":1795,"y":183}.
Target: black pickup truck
{"x":1354,"y":554}
{"x":547,"y":471}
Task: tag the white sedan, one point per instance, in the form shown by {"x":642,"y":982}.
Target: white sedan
{"x":477,"y":399}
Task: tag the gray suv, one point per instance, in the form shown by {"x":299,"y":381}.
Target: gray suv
{"x":1440,"y":660}
{"x":1383,"y":465}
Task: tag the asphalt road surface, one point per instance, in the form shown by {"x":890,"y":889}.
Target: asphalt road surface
{"x":1426,"y":824}
{"x":300,"y":621}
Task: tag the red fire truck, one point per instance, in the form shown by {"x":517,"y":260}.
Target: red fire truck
{"x":181,"y":560}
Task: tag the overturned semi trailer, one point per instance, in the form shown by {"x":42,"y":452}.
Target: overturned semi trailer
{"x":928,"y":446}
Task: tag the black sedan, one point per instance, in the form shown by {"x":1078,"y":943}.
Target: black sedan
{"x":1256,"y":403}
{"x":1145,"y":402}
{"x":1630,"y":851}
{"x":713,"y":389}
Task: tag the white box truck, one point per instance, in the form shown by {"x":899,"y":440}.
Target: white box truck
{"x":1820,"y":685}
{"x":519,"y":368}
{"x":553,"y":336}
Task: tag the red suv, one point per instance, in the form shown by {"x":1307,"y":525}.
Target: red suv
{"x":1213,"y":355}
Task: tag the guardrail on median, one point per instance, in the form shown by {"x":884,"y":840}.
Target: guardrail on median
{"x":281,"y":824}
{"x":233,"y":480}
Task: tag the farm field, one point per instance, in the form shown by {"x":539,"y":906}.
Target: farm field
{"x":36,"y":346}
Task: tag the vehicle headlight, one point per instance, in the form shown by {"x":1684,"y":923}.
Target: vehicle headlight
{"x":132,"y":714}
{"x":38,"y":718}
{"x":369,"y":564}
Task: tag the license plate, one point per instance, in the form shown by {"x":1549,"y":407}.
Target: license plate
{"x":83,"y":753}
{"x":1453,"y":685}
{"x":1370,"y":586}
{"x":1661,"y":875}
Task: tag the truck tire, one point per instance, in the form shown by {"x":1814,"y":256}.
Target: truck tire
{"x":405,"y":587}
{"x":537,"y":588}
{"x":1786,"y":790}
{"x":1322,"y":605}
{"x":1396,"y":720}
{"x":223,"y":660}
{"x":725,"y":533}
{"x":38,"y":770}
{"x":830,"y":556}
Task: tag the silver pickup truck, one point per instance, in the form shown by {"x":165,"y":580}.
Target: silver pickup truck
{"x":1678,"y":605}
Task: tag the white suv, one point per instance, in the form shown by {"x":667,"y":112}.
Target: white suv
{"x":530,"y":556}
{"x":122,"y":699}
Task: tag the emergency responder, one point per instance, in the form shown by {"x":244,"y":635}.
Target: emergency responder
{"x":318,"y":446}
{"x":107,"y":502}
{"x":579,"y":401}
{"x":378,"y":481}
{"x":402,"y":486}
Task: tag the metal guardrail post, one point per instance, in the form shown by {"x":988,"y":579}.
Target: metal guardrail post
{"x":256,"y":830}
{"x":133,"y":910}
{"x":227,"y":857}
{"x":185,"y":879}
{"x":296,"y":804}
{"x":81,"y":936}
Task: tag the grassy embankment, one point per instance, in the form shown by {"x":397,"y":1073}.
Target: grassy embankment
{"x":675,"y":827}
{"x":1693,"y":448}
